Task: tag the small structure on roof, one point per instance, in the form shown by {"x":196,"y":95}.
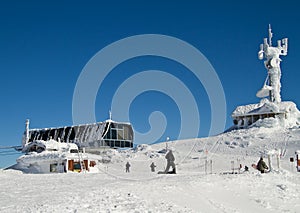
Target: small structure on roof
{"x":271,"y":111}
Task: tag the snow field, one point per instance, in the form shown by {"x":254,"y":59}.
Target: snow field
{"x":192,"y":189}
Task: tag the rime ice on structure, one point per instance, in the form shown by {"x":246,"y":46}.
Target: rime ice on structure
{"x":271,"y":111}
{"x":272,"y":64}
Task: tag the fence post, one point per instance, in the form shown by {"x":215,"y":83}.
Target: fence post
{"x":205,"y":167}
{"x":232,"y":166}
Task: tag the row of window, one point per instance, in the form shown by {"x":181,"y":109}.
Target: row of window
{"x":119,"y":132}
{"x":116,"y":134}
{"x":118,"y":144}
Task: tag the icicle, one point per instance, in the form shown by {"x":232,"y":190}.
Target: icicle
{"x":63,"y":135}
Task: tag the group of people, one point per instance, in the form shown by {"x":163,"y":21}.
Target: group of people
{"x":261,"y":165}
{"x":170,"y":163}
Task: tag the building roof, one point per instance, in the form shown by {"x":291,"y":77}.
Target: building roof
{"x":264,"y":107}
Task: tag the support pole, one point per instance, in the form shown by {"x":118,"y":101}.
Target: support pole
{"x":269,"y":161}
{"x":205,"y":166}
{"x":232,"y":166}
{"x":278,"y":161}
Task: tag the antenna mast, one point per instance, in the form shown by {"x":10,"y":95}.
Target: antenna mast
{"x":270,"y":35}
{"x":110,"y":115}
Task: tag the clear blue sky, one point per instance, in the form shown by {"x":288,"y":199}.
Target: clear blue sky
{"x":45,"y":45}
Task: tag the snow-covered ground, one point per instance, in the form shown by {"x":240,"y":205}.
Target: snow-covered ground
{"x":195,"y":187}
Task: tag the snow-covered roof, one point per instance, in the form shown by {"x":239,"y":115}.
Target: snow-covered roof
{"x":51,"y":145}
{"x":53,"y":150}
{"x":264,"y":107}
{"x":104,"y":122}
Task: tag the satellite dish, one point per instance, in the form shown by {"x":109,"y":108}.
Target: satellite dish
{"x":274,"y":62}
{"x":264,"y":92}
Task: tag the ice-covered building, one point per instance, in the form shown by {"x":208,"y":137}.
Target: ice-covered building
{"x":71,"y":148}
{"x":54,"y":157}
{"x":271,"y":111}
{"x":92,"y":137}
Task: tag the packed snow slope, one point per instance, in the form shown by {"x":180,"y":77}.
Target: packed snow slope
{"x":204,"y":181}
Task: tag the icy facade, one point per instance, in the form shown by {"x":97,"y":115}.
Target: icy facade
{"x":91,"y":136}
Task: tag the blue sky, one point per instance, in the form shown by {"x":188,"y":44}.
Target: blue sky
{"x":44,"y":46}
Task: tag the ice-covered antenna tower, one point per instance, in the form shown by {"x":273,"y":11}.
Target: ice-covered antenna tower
{"x":272,"y":64}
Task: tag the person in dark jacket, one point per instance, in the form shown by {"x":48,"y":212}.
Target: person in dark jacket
{"x":170,"y":162}
{"x":127,"y":166}
{"x":262,"y":166}
{"x":152,"y":166}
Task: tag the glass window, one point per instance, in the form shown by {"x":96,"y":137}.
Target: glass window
{"x":120,"y":134}
{"x":117,"y":144}
{"x":112,"y":125}
{"x":53,"y":167}
{"x":126,"y":133}
{"x":77,"y":167}
{"x":106,"y":143}
{"x":127,"y":144}
{"x":113,"y":134}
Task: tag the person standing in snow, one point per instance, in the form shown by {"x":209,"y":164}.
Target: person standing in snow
{"x":262,"y":166}
{"x":152,"y":166}
{"x":170,"y":162}
{"x":127,"y":166}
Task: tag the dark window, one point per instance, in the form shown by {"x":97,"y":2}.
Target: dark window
{"x":127,"y":144}
{"x":113,"y":134}
{"x":117,"y":144}
{"x":53,"y":167}
{"x":106,"y":143}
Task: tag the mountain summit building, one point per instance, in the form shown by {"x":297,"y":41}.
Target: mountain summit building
{"x":271,"y":111}
{"x":92,"y":137}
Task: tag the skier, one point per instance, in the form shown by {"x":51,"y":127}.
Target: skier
{"x":262,"y":166}
{"x":127,"y":166}
{"x":170,"y":162}
{"x":152,"y":166}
